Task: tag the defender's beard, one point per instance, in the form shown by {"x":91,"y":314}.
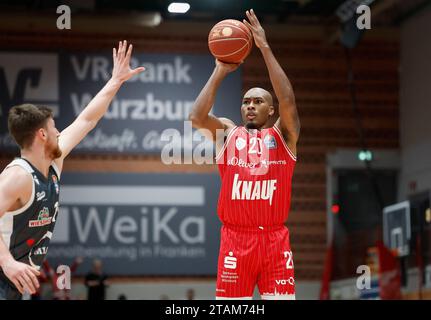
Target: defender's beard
{"x":54,"y":151}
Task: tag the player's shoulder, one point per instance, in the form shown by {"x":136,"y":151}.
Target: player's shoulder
{"x":229,"y":126}
{"x":16,"y":177}
{"x":15,"y":181}
{"x":227,"y":123}
{"x":16,"y":172}
{"x":268,"y":129}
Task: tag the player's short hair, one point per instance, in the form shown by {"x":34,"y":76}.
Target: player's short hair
{"x":24,"y":120}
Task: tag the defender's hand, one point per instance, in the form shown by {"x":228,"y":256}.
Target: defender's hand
{"x":256,"y":29}
{"x":122,"y":71}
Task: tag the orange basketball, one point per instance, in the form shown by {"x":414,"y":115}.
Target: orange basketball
{"x":230,"y":41}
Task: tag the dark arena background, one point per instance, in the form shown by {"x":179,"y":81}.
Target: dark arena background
{"x":360,"y":217}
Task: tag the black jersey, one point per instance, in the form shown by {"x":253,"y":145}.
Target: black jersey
{"x":27,"y":231}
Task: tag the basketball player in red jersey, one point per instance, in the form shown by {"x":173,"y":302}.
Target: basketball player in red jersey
{"x":256,"y":163}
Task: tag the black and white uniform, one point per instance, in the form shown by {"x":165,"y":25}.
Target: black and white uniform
{"x":27,"y":231}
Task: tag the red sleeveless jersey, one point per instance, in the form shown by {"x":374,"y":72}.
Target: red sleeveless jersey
{"x":256,"y":169}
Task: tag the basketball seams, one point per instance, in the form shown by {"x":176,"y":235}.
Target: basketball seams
{"x":228,"y":47}
{"x":249,"y":35}
{"x":231,"y":54}
{"x":227,"y":39}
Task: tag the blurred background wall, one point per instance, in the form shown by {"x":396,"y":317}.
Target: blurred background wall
{"x":390,"y":65}
{"x":414,"y":105}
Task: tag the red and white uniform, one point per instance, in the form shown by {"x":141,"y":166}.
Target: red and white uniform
{"x":256,"y":169}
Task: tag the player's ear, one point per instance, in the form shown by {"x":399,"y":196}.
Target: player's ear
{"x":271,"y":111}
{"x":41,"y":132}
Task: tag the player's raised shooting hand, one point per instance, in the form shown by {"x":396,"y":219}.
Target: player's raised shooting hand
{"x":258,"y":32}
{"x":226,"y":67}
{"x":122,"y":71}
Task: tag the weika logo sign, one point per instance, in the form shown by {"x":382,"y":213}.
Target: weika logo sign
{"x":139,"y":224}
{"x":159,"y":98}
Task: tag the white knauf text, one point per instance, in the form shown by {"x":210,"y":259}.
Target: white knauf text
{"x":253,"y":190}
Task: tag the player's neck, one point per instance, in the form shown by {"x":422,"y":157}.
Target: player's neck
{"x":253,"y":130}
{"x":38,"y":159}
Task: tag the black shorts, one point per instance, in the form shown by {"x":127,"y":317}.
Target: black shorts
{"x":7,"y":290}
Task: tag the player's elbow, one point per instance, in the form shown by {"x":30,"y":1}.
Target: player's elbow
{"x":90,"y":124}
{"x":196,"y":120}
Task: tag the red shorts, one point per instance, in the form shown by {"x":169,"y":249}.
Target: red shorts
{"x":255,"y":256}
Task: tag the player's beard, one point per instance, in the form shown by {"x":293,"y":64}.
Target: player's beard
{"x":53,"y":150}
{"x":251,"y":125}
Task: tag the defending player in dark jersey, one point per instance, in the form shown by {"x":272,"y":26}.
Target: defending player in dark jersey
{"x":29,"y":185}
{"x":256,"y":163}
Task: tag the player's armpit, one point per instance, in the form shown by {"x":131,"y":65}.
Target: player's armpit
{"x":212,"y":127}
{"x":222,"y":135}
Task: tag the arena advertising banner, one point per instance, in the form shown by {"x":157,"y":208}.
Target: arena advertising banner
{"x":138,"y":224}
{"x":148,"y":113}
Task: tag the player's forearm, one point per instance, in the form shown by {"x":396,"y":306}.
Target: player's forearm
{"x":206,"y":98}
{"x":5,"y":255}
{"x":100,"y":103}
{"x":279,"y":80}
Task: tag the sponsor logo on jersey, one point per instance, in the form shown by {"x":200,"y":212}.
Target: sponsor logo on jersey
{"x":36,"y":180}
{"x":270,"y":142}
{"x":284,"y":282}
{"x":253,"y":190}
{"x":40,"y":195}
{"x":236,"y":162}
{"x":55,"y":180}
{"x":273,"y":162}
{"x":240,"y":143}
{"x":37,"y":254}
{"x":230,"y":261}
{"x":43,"y":219}
{"x":40,"y":251}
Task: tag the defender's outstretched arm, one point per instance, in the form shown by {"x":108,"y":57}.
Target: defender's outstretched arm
{"x":90,"y":116}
